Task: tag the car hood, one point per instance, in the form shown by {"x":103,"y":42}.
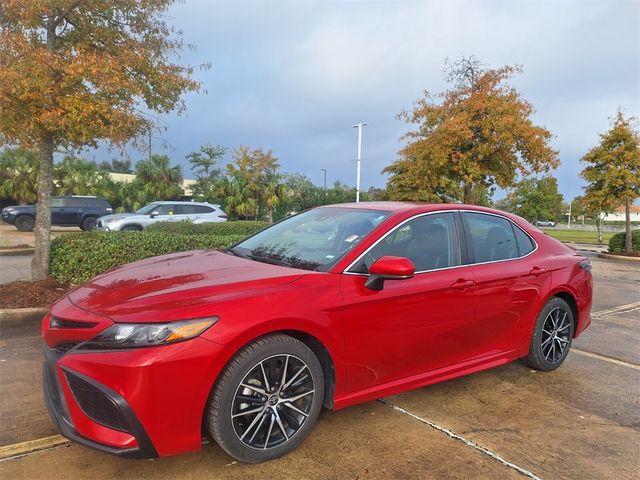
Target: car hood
{"x":20,"y":207}
{"x":178,"y":286}
{"x":120,"y":216}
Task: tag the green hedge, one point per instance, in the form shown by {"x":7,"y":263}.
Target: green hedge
{"x":222,"y":228}
{"x":75,"y":258}
{"x":616,"y":243}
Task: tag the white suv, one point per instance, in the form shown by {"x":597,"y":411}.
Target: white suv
{"x":195,"y":212}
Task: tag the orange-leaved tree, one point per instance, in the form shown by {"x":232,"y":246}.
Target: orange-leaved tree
{"x":477,"y":135}
{"x":77,"y":72}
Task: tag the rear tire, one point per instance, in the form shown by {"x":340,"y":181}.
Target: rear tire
{"x":278,"y":381}
{"x":552,"y":336}
{"x":89,"y":223}
{"x":25,"y":223}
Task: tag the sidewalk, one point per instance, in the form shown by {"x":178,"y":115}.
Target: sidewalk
{"x":15,"y":267}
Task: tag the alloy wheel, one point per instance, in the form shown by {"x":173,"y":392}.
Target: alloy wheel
{"x":556,"y":330}
{"x":272,"y":401}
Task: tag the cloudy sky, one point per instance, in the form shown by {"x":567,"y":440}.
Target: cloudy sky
{"x":295,"y":76}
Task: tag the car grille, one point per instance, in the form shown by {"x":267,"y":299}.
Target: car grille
{"x":96,"y":404}
{"x":99,"y":224}
{"x":62,"y":323}
{"x":64,"y":348}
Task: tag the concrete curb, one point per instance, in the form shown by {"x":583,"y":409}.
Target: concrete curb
{"x":16,"y":251}
{"x":10,"y":317}
{"x":618,"y":257}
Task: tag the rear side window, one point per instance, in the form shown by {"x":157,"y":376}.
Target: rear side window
{"x":75,"y":202}
{"x":524,"y":242}
{"x":492,"y":237}
{"x":183,"y":209}
{"x":202,"y":209}
{"x":98,"y":203}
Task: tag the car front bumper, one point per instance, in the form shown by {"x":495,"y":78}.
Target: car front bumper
{"x":139,"y":403}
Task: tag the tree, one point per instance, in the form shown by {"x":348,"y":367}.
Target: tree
{"x":208,"y":178}
{"x":77,"y":72}
{"x":116,"y":166}
{"x":252,"y":183}
{"x":596,"y":204}
{"x":77,"y":176}
{"x":158,"y":179}
{"x":537,"y":199}
{"x":613,"y":170}
{"x":478,"y":135}
{"x":19,"y":175}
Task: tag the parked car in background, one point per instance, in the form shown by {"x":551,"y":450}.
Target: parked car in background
{"x":338,"y":305}
{"x":545,"y":223}
{"x":66,"y":211}
{"x":196,"y":212}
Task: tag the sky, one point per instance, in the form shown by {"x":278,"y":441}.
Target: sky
{"x":295,"y":76}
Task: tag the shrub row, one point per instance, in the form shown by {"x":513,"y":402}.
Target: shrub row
{"x":78,"y":257}
{"x":222,"y":228}
{"x":616,"y":243}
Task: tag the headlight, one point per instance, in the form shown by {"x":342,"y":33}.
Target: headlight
{"x":107,"y":220}
{"x":133,"y":335}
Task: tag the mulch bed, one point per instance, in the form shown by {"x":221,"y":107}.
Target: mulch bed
{"x":21,"y":294}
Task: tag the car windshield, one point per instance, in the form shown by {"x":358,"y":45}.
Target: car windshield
{"x":313,"y":240}
{"x":147,"y":209}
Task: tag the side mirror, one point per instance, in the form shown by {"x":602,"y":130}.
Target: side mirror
{"x":153,"y":214}
{"x":389,"y":268}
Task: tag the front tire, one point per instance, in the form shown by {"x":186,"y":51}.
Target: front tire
{"x":552,"y":336}
{"x":266,"y":400}
{"x":25,"y":223}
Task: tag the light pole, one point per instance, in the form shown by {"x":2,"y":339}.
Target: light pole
{"x":325,"y":177}
{"x":359,"y":127}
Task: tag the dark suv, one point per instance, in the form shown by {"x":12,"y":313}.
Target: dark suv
{"x":66,"y":211}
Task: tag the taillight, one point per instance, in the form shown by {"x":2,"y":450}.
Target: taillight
{"x":224,"y":215}
{"x":585,"y":264}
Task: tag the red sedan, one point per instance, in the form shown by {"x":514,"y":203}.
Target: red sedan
{"x":332,"y":307}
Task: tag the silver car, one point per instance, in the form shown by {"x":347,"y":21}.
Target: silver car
{"x":195,"y":212}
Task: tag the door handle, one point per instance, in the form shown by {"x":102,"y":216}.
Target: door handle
{"x":537,"y":271}
{"x":461,"y":284}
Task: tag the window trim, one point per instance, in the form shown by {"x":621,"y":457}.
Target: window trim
{"x":472,"y":253}
{"x":464,"y":241}
{"x":459,"y":238}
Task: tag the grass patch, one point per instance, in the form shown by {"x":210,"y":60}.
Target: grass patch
{"x":578,"y":236}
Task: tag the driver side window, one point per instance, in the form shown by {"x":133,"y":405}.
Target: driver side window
{"x":429,"y":241}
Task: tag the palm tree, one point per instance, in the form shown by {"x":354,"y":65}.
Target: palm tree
{"x":77,"y":176}
{"x":159,"y":179}
{"x":19,"y":175}
{"x":272,"y":193}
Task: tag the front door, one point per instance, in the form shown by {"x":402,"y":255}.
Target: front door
{"x":416,"y":325}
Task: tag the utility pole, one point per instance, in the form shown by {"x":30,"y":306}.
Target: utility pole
{"x":569,"y":220}
{"x":325,"y":177}
{"x":359,"y":127}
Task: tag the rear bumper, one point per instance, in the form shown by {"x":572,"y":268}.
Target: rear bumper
{"x":58,"y":410}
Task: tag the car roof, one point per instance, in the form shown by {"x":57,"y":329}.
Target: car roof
{"x":183,"y":202}
{"x":415,"y":207}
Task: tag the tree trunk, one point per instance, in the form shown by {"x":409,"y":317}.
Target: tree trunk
{"x":467,"y":193}
{"x":42,"y":254}
{"x":628,"y":248}
{"x":599,"y":221}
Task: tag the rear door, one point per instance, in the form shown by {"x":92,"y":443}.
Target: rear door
{"x":416,"y":325}
{"x":511,"y":276}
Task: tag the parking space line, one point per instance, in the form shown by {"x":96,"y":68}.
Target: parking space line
{"x":17,"y":450}
{"x":606,"y":359}
{"x":629,"y":307}
{"x":460,"y":438}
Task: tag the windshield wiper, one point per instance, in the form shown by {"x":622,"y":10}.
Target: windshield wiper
{"x":238,"y":254}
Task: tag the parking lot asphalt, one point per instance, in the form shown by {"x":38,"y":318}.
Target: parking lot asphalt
{"x":580,"y":421}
